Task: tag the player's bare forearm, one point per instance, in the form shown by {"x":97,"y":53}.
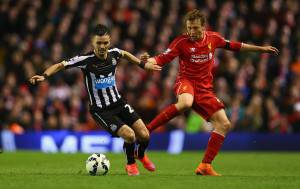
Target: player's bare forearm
{"x":54,"y":69}
{"x":249,"y":47}
{"x":48,"y":72}
{"x":142,"y":63}
{"x":130,"y":57}
{"x":262,"y":49}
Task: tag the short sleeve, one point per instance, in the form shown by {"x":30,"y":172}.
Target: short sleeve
{"x":117,"y":53}
{"x":219,"y":41}
{"x":172,"y":52}
{"x":77,"y":61}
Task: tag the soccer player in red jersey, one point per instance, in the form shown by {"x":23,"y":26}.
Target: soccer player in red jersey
{"x":194,"y":83}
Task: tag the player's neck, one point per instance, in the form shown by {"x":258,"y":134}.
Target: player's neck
{"x":102,"y":57}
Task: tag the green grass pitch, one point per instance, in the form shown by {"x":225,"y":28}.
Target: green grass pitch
{"x":240,"y":170}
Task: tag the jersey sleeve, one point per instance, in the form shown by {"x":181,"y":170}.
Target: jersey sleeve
{"x":221,"y":42}
{"x":117,"y":53}
{"x":172,"y":52}
{"x":77,"y":61}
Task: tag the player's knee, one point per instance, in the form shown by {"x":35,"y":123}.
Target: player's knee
{"x":222,"y":127}
{"x":184,"y":104}
{"x":226,"y":126}
{"x":130,"y":137}
{"x":144,"y":135}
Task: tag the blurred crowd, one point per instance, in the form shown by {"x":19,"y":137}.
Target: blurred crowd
{"x":261,"y":92}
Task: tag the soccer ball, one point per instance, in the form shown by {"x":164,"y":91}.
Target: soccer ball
{"x":97,"y":164}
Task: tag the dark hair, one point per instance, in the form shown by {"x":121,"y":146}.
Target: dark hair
{"x":195,"y":14}
{"x":101,"y":30}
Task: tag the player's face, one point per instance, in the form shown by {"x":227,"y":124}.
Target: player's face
{"x":194,"y":29}
{"x":101,"y":44}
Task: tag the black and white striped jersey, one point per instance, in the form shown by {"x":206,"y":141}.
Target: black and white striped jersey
{"x":99,"y":77}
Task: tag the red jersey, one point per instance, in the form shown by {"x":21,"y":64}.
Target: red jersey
{"x":196,"y":58}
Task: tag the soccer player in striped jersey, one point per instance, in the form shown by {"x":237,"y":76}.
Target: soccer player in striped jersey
{"x":194,"y":85}
{"x":107,"y":107}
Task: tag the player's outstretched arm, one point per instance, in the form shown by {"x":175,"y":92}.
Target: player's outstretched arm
{"x":142,"y":63}
{"x":263,"y":49}
{"x":145,"y":57}
{"x":48,"y":72}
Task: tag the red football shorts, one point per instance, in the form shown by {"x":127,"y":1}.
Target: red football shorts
{"x":205,"y":101}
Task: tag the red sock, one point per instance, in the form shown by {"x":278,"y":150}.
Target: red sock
{"x":214,"y":144}
{"x":166,"y":115}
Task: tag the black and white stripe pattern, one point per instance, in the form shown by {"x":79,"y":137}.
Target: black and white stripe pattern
{"x":99,"y":77}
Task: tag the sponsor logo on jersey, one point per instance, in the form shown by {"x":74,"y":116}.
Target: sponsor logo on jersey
{"x":105,"y":82}
{"x":199,"y":58}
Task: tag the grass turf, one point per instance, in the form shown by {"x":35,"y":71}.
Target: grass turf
{"x":240,"y":170}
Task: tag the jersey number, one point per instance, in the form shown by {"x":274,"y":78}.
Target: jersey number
{"x":129,"y":108}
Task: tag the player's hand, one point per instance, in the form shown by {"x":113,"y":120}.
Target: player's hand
{"x":271,"y":50}
{"x":37,"y":78}
{"x":144,"y":57}
{"x":152,"y":66}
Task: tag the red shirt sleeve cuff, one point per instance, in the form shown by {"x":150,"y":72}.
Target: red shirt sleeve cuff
{"x":158,"y":60}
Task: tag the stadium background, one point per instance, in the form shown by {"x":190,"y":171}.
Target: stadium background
{"x":261,"y":92}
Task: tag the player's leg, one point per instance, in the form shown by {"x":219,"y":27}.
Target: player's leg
{"x":185,"y":97}
{"x":212,"y":109}
{"x":221,"y":126}
{"x":116,"y":127}
{"x":129,"y":145}
{"x":142,"y":135}
{"x":130,"y":117}
{"x":128,"y":135}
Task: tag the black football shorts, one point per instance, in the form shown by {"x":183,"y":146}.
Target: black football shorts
{"x":114,"y":118}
